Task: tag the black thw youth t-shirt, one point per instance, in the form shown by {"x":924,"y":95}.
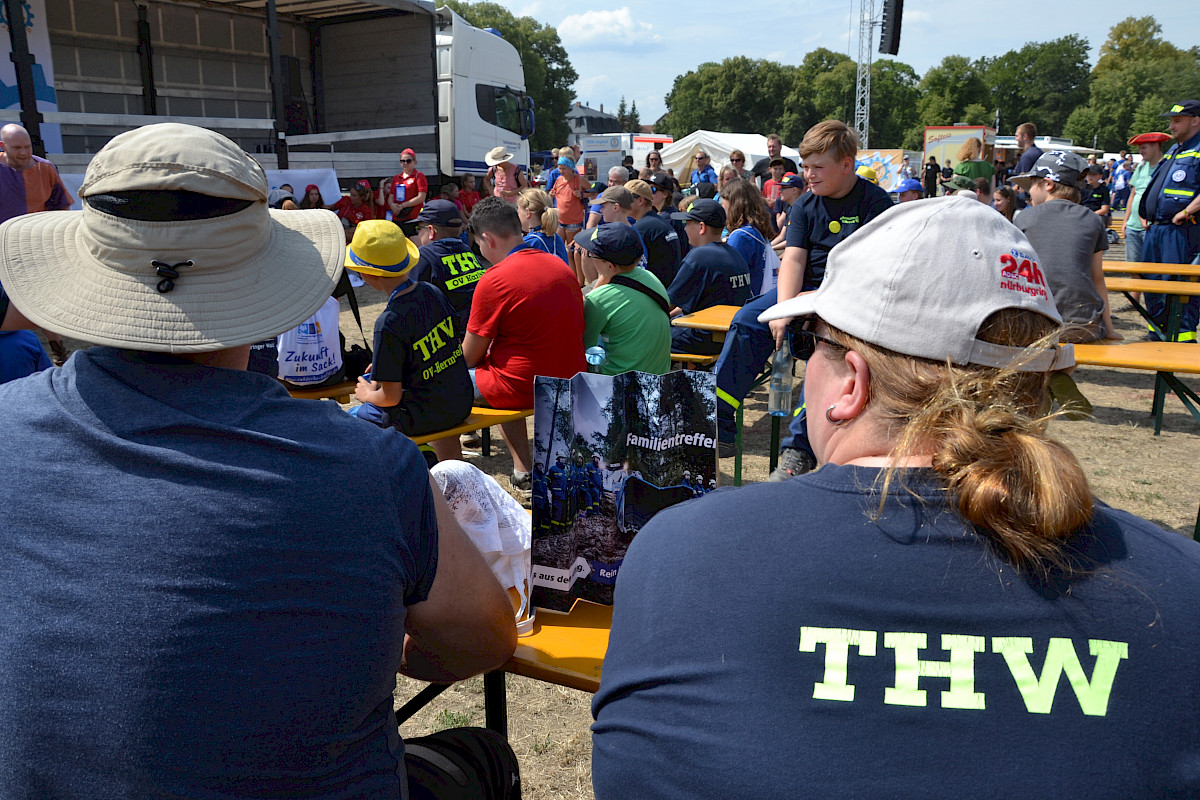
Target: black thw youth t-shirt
{"x":451,"y":266}
{"x":818,"y":223}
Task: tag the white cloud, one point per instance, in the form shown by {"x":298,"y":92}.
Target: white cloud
{"x":616,"y":29}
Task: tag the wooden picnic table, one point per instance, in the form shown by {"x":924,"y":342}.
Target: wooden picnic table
{"x":714,"y":319}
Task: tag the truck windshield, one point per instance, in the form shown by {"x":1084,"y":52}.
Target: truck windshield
{"x":501,"y":107}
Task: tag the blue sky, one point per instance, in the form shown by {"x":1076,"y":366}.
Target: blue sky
{"x":636,"y":48}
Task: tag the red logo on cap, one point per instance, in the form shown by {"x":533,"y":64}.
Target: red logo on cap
{"x":1022,"y":275}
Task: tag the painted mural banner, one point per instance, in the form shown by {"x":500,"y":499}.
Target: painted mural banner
{"x":610,"y":452}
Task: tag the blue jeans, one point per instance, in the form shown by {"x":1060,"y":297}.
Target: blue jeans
{"x":747,"y":346}
{"x":1133,"y":244}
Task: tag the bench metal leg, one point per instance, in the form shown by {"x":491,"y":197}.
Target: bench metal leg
{"x":495,"y":702}
{"x":419,"y":701}
{"x":737,"y":441}
{"x":485,"y":442}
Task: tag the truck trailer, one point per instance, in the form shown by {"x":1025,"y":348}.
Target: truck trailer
{"x":304,"y":84}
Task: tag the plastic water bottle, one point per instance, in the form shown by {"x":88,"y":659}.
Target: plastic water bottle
{"x":779,"y":402}
{"x":595,"y":355}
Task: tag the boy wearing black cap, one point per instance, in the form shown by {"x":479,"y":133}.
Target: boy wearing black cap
{"x":712,"y":274}
{"x":1096,"y":197}
{"x":627,"y":312}
{"x":445,"y":260}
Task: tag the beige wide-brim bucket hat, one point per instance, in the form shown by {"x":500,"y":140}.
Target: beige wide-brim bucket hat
{"x":106,"y":279}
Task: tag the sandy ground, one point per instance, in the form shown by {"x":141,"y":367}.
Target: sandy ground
{"x":1128,"y":467}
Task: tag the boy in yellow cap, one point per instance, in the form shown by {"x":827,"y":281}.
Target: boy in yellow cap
{"x":418,"y":382}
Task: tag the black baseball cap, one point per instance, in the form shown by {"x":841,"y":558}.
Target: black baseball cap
{"x":660,"y":180}
{"x":1187,"y":108}
{"x":704,"y":210}
{"x":442,"y":213}
{"x":612,"y":242}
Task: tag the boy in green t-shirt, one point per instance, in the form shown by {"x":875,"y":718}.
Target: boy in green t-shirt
{"x":627,"y":311}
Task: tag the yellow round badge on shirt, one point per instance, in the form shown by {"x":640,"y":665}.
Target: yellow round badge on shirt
{"x":835,"y":226}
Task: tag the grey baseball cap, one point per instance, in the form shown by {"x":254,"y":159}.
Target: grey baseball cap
{"x":1060,"y":166}
{"x":921,"y":278}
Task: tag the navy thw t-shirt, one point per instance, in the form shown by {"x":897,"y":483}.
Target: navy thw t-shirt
{"x":451,"y":266}
{"x":711,"y":275}
{"x":818,"y":223}
{"x":854,"y":651}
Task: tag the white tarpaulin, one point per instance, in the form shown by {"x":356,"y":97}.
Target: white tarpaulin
{"x":680,"y":155}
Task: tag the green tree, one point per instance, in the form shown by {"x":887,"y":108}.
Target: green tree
{"x":894,"y":97}
{"x":1042,"y":83}
{"x":549,"y":75}
{"x":738,"y":95}
{"x":1136,"y":73}
{"x":947,"y":90}
{"x":635,"y":119}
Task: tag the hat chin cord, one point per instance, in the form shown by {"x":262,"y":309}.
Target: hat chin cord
{"x":169,"y":273}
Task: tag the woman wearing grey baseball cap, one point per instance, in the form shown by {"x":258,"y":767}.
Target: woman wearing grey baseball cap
{"x":944,"y":588}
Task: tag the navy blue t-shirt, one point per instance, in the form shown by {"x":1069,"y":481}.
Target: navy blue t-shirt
{"x":661,"y":242}
{"x":1093,"y":197}
{"x":212,"y":607}
{"x":712,"y":275}
{"x":451,"y":266}
{"x":852,"y":651}
{"x":417,"y":345}
{"x":21,"y":354}
{"x":818,"y":223}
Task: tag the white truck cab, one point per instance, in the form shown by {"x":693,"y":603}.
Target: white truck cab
{"x":481,"y":97}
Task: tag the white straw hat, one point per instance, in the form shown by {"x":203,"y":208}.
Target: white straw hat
{"x":497,"y":155}
{"x":175,"y":249}
{"x":921,"y":278}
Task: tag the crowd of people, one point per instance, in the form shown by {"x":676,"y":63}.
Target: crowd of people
{"x":248,"y":573}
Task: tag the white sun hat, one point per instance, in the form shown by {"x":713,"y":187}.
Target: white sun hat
{"x":921,"y":278}
{"x":175,"y":249}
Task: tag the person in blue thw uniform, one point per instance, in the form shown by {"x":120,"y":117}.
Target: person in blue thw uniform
{"x":445,"y":260}
{"x":712,"y":274}
{"x":1170,"y":205}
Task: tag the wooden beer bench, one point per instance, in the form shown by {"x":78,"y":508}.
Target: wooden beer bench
{"x":340,"y":392}
{"x":1162,"y":358}
{"x":480,"y":419}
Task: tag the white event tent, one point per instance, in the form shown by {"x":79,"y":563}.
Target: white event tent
{"x":680,"y":155}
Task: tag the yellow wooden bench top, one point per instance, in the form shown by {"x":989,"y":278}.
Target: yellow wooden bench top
{"x":340,"y":392}
{"x":1146,"y":268}
{"x":1153,"y":356}
{"x":691,"y":358}
{"x":479,"y":418}
{"x":565,"y":649}
{"x":1188,"y":288}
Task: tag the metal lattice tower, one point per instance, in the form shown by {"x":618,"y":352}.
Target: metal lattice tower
{"x":862,"y":94}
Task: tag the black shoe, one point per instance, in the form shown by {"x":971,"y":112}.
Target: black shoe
{"x":726,"y":449}
{"x":792,"y":462}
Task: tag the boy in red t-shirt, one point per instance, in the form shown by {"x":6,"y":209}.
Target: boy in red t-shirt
{"x":526,"y":320}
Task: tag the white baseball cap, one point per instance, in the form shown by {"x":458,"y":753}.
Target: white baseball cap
{"x":921,"y":278}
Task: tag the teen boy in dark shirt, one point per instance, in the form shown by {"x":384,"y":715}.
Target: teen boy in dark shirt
{"x":837,"y":204}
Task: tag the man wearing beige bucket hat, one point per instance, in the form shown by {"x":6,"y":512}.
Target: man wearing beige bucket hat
{"x":200,"y":602}
{"x":504,"y":178}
